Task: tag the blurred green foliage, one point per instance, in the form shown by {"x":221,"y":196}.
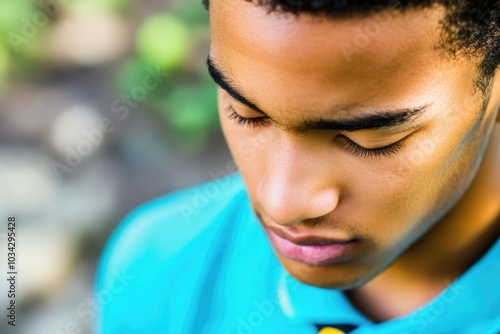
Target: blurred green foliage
{"x":11,"y":22}
{"x":164,"y":41}
{"x":174,"y":41}
{"x":187,"y":99}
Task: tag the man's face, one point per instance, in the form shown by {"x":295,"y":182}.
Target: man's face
{"x":370,"y":134}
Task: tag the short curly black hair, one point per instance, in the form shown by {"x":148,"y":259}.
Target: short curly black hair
{"x":470,"y":27}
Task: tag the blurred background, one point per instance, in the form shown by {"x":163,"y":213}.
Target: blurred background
{"x":104,"y":105}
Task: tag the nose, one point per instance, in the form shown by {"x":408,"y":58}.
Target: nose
{"x":297,"y":184}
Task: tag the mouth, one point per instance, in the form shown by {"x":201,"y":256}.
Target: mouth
{"x":311,"y":249}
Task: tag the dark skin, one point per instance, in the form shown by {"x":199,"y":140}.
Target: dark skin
{"x":425,"y":210}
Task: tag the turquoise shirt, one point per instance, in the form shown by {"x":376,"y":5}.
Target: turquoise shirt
{"x":198,"y":261}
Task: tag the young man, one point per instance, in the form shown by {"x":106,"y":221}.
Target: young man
{"x":367,"y":138}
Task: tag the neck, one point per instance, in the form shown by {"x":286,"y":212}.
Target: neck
{"x":444,"y":253}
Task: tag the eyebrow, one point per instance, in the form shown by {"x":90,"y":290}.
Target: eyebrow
{"x":230,"y":87}
{"x":372,"y":120}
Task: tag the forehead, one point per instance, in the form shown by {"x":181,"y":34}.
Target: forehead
{"x":283,"y":59}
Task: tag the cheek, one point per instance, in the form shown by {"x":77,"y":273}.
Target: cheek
{"x":388,"y":199}
{"x":247,"y":147}
{"x":406,"y":196}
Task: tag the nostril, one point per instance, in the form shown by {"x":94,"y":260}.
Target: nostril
{"x":287,"y":223}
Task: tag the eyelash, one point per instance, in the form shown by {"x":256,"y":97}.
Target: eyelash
{"x":349,"y":145}
{"x":242,"y":121}
{"x":380,"y":152}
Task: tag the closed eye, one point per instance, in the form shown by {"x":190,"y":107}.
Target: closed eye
{"x":378,"y":152}
{"x":348,"y":144}
{"x":253,"y":122}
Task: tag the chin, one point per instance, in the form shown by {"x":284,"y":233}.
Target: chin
{"x":340,"y":276}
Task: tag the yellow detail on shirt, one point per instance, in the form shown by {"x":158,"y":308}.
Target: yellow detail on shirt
{"x":330,"y":330}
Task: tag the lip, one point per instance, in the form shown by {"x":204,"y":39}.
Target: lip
{"x":304,"y":238}
{"x":311,"y":249}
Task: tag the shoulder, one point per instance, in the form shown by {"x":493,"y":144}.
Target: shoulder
{"x":164,"y":239}
{"x":166,"y":224}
